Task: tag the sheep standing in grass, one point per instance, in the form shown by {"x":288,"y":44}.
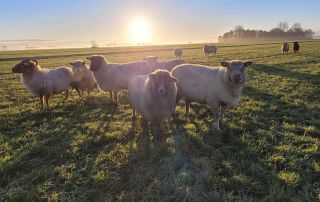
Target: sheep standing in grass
{"x":296,"y":47}
{"x":165,"y":65}
{"x":177,"y":52}
{"x":114,"y":77}
{"x":83,"y":78}
{"x":43,"y":82}
{"x":218,"y":87}
{"x":209,"y":49}
{"x":285,"y":48}
{"x":153,"y":95}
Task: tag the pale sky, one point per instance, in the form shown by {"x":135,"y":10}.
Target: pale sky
{"x":164,"y":21}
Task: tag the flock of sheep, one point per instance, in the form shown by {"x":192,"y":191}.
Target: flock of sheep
{"x":154,"y":87}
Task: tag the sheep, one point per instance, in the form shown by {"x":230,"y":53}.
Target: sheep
{"x":296,"y":47}
{"x":285,"y":48}
{"x":209,"y":49}
{"x":153,"y":96}
{"x":165,"y":65}
{"x":43,"y":82}
{"x":83,"y":78}
{"x":218,"y":87}
{"x":177,"y":52}
{"x":114,"y":77}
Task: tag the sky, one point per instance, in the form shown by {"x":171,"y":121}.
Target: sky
{"x":63,"y":22}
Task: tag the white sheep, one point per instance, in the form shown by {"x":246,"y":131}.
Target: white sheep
{"x":43,"y":82}
{"x":153,"y":96}
{"x":177,"y":52}
{"x":218,"y":87}
{"x":285,"y":48}
{"x":83,"y":78}
{"x":114,"y":77}
{"x":209,"y":49}
{"x":165,"y":65}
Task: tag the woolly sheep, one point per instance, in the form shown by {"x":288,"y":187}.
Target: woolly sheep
{"x":114,"y":77}
{"x":296,"y":47}
{"x":285,"y":48}
{"x":43,"y":82}
{"x":153,"y":96}
{"x":83,"y":78}
{"x":218,"y":87}
{"x":165,"y":65}
{"x":209,"y":49}
{"x":177,"y":52}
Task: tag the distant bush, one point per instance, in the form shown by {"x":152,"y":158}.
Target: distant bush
{"x":281,"y":32}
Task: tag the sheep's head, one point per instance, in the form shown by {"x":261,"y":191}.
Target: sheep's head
{"x":152,"y":61}
{"x":236,"y":70}
{"x":27,"y":65}
{"x":96,"y":62}
{"x":161,"y":80}
{"x":79,"y":68}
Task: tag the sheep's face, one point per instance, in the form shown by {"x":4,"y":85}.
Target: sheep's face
{"x":236,"y":70}
{"x":161,"y":80}
{"x":152,"y":61}
{"x":79,"y":68}
{"x":96,"y":62}
{"x":27,"y":65}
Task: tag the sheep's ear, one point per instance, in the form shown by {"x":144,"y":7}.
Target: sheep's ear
{"x":83,"y":63}
{"x":89,"y":58}
{"x":224,"y":64}
{"x":35,"y":61}
{"x":71,"y":63}
{"x":173,"y":79}
{"x":151,"y":76}
{"x":247,"y":63}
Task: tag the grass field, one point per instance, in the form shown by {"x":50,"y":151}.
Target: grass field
{"x":92,"y":151}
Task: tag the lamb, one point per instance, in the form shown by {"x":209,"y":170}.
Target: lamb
{"x":165,"y":65}
{"x":177,"y":52}
{"x":114,"y":77}
{"x":218,"y":87}
{"x":296,"y":47}
{"x":43,"y":82}
{"x":153,"y":96}
{"x":209,"y":49}
{"x":83,"y":78}
{"x":285,"y":48}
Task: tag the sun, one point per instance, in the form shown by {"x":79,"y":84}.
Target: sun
{"x":139,"y":31}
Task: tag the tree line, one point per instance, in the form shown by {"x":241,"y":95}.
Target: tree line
{"x":280,"y":32}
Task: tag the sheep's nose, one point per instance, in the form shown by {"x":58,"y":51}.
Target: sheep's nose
{"x":161,"y":91}
{"x":237,"y":78}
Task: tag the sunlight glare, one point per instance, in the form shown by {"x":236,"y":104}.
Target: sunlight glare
{"x":139,"y":31}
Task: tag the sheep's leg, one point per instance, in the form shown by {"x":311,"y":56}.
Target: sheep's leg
{"x":222,"y":111}
{"x":115,"y":95}
{"x":82,"y":94}
{"x":133,"y":113}
{"x":215,"y":110}
{"x":187,"y":103}
{"x":67,"y":94}
{"x":111,"y":95}
{"x":47,"y":100}
{"x":41,"y":101}
{"x":79,"y":93}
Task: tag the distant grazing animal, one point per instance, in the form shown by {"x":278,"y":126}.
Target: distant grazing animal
{"x":153,"y":96}
{"x":83,"y":78}
{"x":209,"y":49}
{"x":296,"y":47}
{"x":218,"y":87}
{"x":177,"y":52}
{"x":114,"y":77}
{"x":166,"y":65}
{"x":285,"y":48}
{"x":43,"y":82}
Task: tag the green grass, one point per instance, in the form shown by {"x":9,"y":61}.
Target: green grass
{"x":92,"y":151}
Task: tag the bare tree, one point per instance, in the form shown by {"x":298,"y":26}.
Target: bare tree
{"x":296,"y":27}
{"x":94,"y":44}
{"x":283,"y":26}
{"x":238,"y":31}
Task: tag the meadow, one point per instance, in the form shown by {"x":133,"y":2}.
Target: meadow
{"x":91,"y":150}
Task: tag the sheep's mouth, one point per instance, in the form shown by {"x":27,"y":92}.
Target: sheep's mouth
{"x":16,"y":70}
